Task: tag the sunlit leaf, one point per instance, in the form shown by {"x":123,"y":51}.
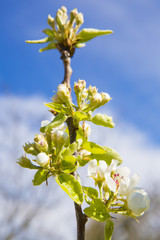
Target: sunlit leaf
{"x":97,"y":211}
{"x":43,"y":40}
{"x":57,"y":121}
{"x":108,"y":231}
{"x":51,"y":45}
{"x":107,"y":156}
{"x":71,"y":186}
{"x":40,"y":177}
{"x":49,"y":32}
{"x":81,"y":116}
{"x":90,"y":192}
{"x":26,"y":163}
{"x":58,"y":107}
{"x":72,"y":148}
{"x":93,"y":148}
{"x":88,"y":33}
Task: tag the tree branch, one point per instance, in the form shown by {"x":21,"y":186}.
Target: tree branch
{"x":80,"y":216}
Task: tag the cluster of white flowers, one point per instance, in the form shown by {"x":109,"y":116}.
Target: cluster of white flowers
{"x":116,"y":179}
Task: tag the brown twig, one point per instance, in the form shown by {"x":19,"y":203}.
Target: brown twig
{"x":80,"y":216}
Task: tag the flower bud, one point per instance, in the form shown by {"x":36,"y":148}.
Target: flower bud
{"x":79,"y":86}
{"x":42,"y":159}
{"x":84,"y":94}
{"x":51,"y":21}
{"x":97,"y":98}
{"x":63,"y":93}
{"x":105,"y":97}
{"x":92,"y":90}
{"x":138,"y":201}
{"x":61,"y":18}
{"x":41,"y":142}
{"x":30,"y":148}
{"x":56,"y":99}
{"x":59,"y":138}
{"x":79,"y":19}
{"x":86,"y":129}
{"x":73,"y":15}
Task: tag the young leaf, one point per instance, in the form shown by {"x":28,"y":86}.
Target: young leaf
{"x":88,"y":33}
{"x":49,"y":32}
{"x":51,"y":45}
{"x":26,"y":163}
{"x":57,"y":121}
{"x":43,"y":40}
{"x":71,"y":186}
{"x":107,"y":156}
{"x":72,"y":148}
{"x":108,"y":231}
{"x":97,"y":211}
{"x":103,"y":120}
{"x":81,"y":116}
{"x":68,"y":164}
{"x":40,"y":177}
{"x":58,"y":107}
{"x":93,"y":148}
{"x":90,"y":192}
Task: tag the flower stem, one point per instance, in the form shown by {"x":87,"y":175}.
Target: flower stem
{"x":80,"y":216}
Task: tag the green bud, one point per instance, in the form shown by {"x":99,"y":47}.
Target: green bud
{"x":59,"y":138}
{"x":30,"y":148}
{"x":61,"y":18}
{"x":51,"y":21}
{"x":79,"y":86}
{"x":92,"y":90}
{"x":73,"y":15}
{"x":41,"y":142}
{"x":79,"y":19}
{"x":63,"y":93}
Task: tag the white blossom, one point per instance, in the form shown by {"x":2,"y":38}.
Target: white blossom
{"x":97,"y":169}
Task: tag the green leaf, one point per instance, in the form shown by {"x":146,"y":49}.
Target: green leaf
{"x":49,"y":32}
{"x":71,"y":186}
{"x":68,"y":164}
{"x":51,"y":45}
{"x":81,"y":116}
{"x":103,"y":120}
{"x":93,"y":148}
{"x":90,"y":192}
{"x":88,"y":33}
{"x":43,"y":40}
{"x":107,"y":156}
{"x":97,"y":211}
{"x":40,"y":177}
{"x":57,"y":121}
{"x":58,"y":107}
{"x":108,"y":231}
{"x":72,"y":148}
{"x":26,"y":163}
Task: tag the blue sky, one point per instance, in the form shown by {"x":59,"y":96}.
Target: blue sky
{"x":125,"y":64}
